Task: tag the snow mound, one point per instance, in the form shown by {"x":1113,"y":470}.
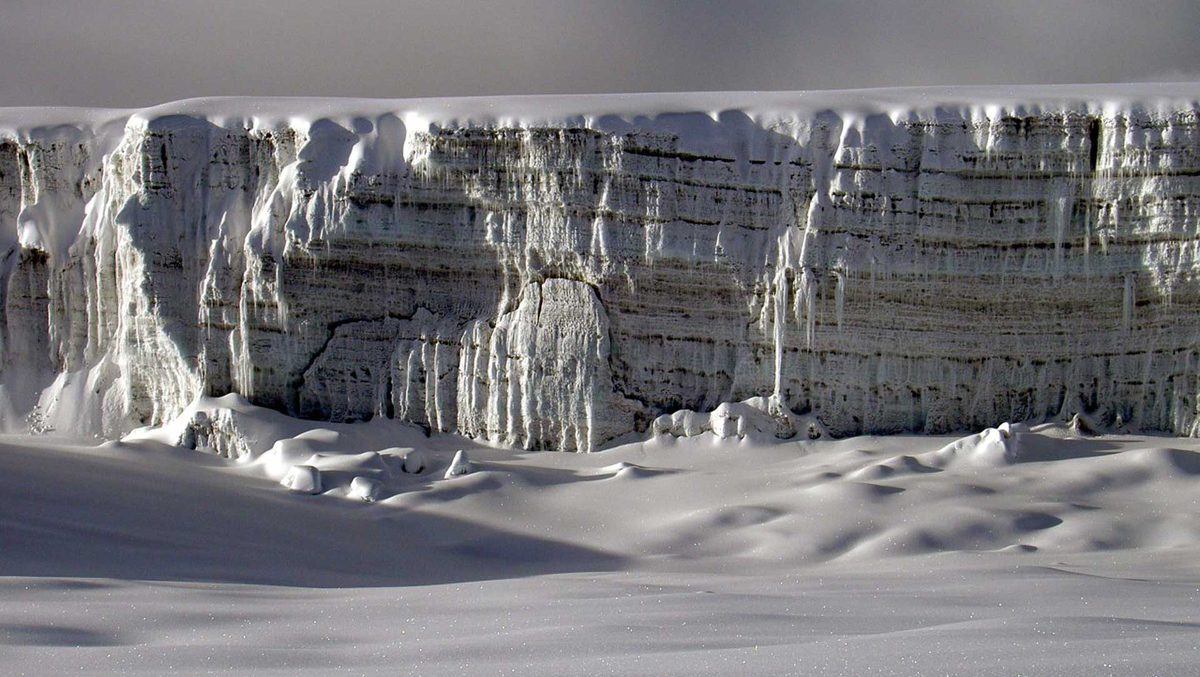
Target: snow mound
{"x":414,"y":462}
{"x":461,"y":465}
{"x":756,"y":417}
{"x":1007,"y":491}
{"x":623,"y":470}
{"x":994,"y":447}
{"x":303,"y":479}
{"x":892,"y":467}
{"x":367,"y":462}
{"x":365,"y":489}
{"x":1166,"y":463}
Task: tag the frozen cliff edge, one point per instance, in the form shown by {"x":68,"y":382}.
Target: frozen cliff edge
{"x":552,"y":272}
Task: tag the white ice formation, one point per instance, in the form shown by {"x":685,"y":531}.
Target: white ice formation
{"x":461,"y":465}
{"x":552,"y":272}
{"x":215,"y":431}
{"x":304,"y":479}
{"x":365,"y":489}
{"x":413,"y":462}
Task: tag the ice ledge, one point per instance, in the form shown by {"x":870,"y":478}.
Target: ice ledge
{"x":612,"y":112}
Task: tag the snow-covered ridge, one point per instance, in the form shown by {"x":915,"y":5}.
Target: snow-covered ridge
{"x":552,"y":272}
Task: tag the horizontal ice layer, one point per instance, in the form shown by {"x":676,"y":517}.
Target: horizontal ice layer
{"x":552,"y":272}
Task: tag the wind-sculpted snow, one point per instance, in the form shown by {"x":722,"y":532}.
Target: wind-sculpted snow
{"x":554,"y":272}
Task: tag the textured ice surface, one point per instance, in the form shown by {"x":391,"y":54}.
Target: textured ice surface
{"x":365,"y":488}
{"x":303,"y":478}
{"x":461,"y":465}
{"x":553,"y":272}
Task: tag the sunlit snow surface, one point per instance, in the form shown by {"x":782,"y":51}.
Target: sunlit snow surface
{"x":1013,"y":551}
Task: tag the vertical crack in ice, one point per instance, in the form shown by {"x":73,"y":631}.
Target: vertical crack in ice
{"x":1127,"y":301}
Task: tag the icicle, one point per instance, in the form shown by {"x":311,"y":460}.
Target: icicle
{"x":1060,"y":216}
{"x":782,"y":290}
{"x":839,"y":296}
{"x":808,"y":290}
{"x":1127,"y":309}
{"x":1087,"y":243}
{"x":781,"y":298}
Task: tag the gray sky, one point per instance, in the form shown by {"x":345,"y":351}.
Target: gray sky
{"x":140,"y":52}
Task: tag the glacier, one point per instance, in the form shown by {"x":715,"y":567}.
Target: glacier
{"x":554,"y":272}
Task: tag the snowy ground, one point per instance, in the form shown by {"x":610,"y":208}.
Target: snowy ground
{"x":1019,"y":553}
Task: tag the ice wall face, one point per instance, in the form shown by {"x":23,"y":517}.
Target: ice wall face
{"x":555,"y":284}
{"x":1042,"y":264}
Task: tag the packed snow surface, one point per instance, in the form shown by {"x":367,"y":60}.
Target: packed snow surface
{"x":1016,"y":550}
{"x":556,"y":272}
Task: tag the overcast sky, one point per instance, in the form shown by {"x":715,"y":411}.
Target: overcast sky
{"x":141,"y":52}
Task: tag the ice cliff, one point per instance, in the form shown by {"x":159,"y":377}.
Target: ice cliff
{"x":552,"y":272}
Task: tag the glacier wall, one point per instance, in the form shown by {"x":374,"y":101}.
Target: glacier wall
{"x":554,"y":272}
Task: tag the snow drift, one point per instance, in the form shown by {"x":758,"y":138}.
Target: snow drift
{"x":553,"y":272}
